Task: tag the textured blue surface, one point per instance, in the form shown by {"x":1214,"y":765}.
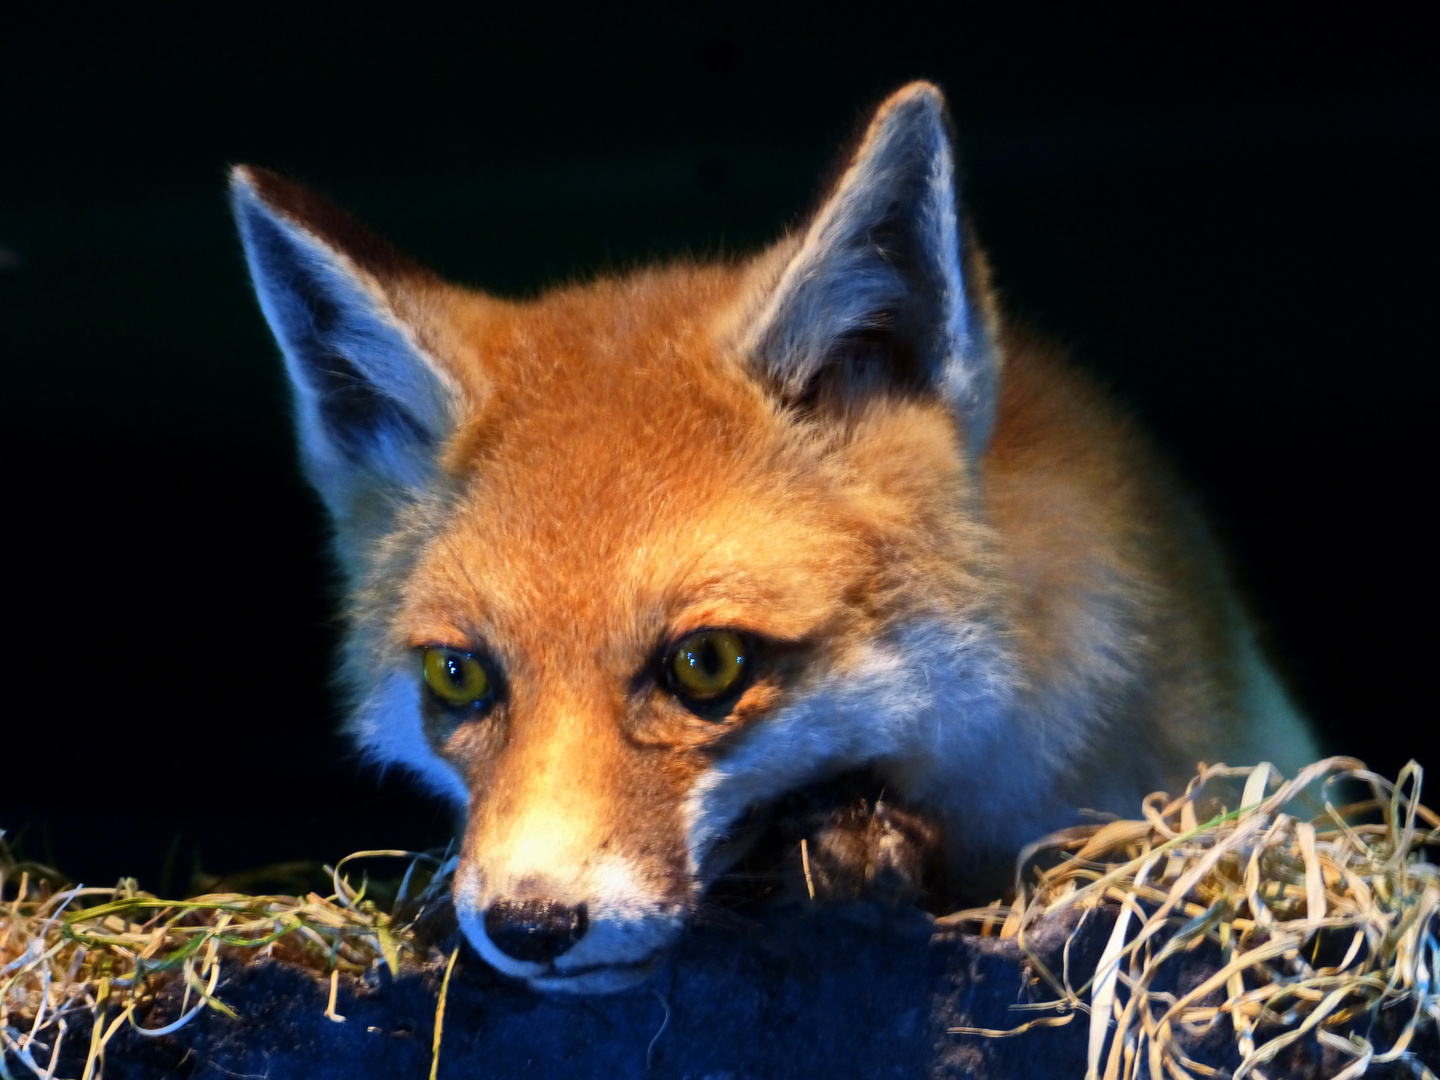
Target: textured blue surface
{"x":828,"y":993}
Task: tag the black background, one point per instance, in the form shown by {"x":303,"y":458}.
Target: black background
{"x":1230,"y":217}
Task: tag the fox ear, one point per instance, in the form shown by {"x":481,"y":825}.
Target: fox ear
{"x":372,"y":405}
{"x":881,"y":292}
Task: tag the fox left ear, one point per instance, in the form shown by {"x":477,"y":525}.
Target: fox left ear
{"x":881,"y":292}
{"x":373,"y":403}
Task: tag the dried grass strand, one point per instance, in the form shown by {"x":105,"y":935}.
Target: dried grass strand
{"x":1274,"y":889}
{"x":63,"y":959}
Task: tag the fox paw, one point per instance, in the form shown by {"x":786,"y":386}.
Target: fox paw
{"x":873,"y":851}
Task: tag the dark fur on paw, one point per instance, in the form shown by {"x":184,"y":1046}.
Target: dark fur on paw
{"x":838,"y":841}
{"x":874,"y":851}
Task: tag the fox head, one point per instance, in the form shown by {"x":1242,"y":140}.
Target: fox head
{"x":632,"y":558}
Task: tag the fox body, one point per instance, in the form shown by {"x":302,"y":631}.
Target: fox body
{"x":630,"y":560}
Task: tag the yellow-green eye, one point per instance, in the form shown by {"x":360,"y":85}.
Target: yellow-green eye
{"x":455,"y":677}
{"x":709,"y":663}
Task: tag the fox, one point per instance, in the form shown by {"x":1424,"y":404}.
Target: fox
{"x":627,"y":562}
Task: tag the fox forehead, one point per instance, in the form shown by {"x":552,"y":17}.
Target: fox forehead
{"x":622,"y":478}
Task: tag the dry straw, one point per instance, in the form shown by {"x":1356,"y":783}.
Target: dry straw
{"x":1320,"y":915}
{"x":62,"y":961}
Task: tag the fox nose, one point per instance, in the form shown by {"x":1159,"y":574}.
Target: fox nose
{"x":534,"y":930}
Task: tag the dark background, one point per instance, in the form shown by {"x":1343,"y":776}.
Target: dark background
{"x":1231,"y":218}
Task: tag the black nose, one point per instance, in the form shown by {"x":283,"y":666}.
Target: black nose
{"x":534,"y":930}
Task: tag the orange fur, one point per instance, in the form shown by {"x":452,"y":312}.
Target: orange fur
{"x":617,"y":475}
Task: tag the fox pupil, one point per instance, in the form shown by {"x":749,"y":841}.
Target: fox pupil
{"x":454,"y":674}
{"x":710,"y":659}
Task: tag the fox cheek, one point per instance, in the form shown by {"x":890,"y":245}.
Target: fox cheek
{"x":472,"y":748}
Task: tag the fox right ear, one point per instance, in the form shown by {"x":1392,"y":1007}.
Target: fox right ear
{"x":372,"y":404}
{"x":884,"y":290}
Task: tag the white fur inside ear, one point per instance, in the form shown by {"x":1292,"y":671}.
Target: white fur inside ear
{"x":884,"y":255}
{"x":371,"y":405}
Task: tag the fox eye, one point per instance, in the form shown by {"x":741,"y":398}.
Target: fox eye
{"x":457,"y":678}
{"x":708,"y":663}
